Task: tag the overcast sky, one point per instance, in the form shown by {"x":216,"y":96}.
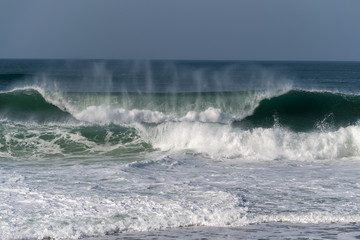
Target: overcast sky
{"x":181,"y":29}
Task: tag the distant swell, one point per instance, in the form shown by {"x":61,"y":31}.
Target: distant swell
{"x":13,"y":76}
{"x":303,"y":111}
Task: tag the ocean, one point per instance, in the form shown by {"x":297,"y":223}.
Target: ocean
{"x":100,"y":149}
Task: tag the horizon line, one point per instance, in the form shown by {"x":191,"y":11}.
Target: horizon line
{"x":174,"y":59}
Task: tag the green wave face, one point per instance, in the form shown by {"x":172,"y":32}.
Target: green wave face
{"x":30,"y":106}
{"x":305,"y":111}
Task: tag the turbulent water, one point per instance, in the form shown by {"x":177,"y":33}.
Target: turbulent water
{"x":179,"y":149}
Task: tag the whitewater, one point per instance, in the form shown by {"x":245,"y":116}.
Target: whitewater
{"x":179,"y":149}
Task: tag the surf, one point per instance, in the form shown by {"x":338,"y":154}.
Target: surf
{"x":295,"y":124}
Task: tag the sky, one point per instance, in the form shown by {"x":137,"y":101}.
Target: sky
{"x":182,"y":29}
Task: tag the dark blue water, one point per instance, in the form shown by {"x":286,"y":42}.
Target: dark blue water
{"x":182,"y":76}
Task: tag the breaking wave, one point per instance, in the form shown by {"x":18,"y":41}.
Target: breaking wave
{"x":296,"y":124}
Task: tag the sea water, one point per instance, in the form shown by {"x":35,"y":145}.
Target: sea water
{"x":179,"y":149}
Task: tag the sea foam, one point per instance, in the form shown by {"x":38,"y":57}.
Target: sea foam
{"x":221,"y":141}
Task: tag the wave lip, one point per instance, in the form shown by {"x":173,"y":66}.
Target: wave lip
{"x":34,"y":103}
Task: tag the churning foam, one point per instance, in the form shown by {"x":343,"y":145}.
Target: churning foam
{"x":213,"y":115}
{"x":71,"y":217}
{"x":32,"y":212}
{"x":259,"y":144}
{"x":106,"y":114}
